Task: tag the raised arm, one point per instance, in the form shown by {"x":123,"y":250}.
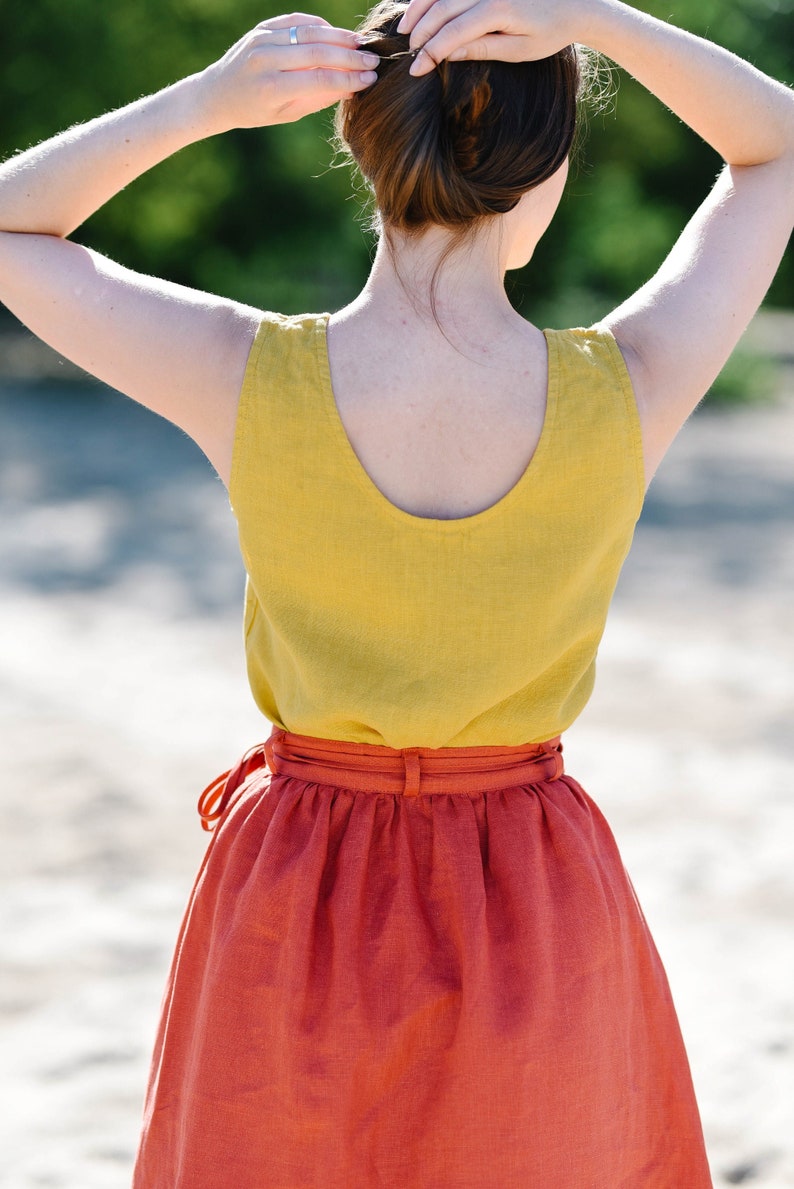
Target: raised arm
{"x":176,"y":350}
{"x":678,"y":330}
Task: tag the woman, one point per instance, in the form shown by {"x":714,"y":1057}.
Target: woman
{"x":412,"y":956}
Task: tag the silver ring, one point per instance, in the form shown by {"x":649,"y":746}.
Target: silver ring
{"x":293,"y":35}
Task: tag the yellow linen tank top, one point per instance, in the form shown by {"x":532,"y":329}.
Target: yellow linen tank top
{"x":368,"y":624}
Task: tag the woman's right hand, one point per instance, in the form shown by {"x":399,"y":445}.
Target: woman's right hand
{"x":264,"y":79}
{"x":499,"y":30}
{"x":678,"y":330}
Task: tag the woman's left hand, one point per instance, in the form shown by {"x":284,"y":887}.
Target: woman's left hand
{"x":267,"y":78}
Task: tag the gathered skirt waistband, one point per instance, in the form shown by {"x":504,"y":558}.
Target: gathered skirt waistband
{"x":372,"y":768}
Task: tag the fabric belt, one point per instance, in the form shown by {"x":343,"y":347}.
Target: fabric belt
{"x":371,"y":768}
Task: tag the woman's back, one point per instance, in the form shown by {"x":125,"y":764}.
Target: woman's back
{"x":444,"y":429}
{"x":373,"y":623}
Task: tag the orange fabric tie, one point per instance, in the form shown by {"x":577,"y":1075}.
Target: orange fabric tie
{"x":370,"y":768}
{"x":215,"y":798}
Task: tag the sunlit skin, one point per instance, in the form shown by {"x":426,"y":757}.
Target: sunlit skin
{"x":675,"y":334}
{"x":525,"y":225}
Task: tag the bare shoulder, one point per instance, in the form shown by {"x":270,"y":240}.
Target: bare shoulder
{"x":677,"y":332}
{"x":179,"y":351}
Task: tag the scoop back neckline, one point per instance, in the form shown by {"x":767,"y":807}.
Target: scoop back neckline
{"x":377,"y":498}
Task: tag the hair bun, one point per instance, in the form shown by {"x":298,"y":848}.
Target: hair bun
{"x":464,"y":141}
{"x":467,"y":100}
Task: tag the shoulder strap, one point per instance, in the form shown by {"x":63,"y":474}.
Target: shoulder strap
{"x":596,"y":405}
{"x":281,"y":375}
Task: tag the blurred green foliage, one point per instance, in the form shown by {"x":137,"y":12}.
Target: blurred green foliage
{"x":748,"y":378}
{"x":261,"y":215}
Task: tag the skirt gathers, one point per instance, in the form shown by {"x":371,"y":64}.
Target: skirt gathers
{"x":417,"y":969}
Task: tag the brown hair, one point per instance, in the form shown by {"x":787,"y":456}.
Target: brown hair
{"x":461,"y":143}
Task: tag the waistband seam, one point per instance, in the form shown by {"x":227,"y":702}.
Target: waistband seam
{"x":412,"y":770}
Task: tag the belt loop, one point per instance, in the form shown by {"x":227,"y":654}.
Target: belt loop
{"x":413,"y":775}
{"x":559,"y":763}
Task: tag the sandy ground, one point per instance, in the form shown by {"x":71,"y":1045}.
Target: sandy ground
{"x":122,"y":692}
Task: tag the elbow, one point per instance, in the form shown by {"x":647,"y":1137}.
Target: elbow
{"x":784,"y":127}
{"x":773,"y":140}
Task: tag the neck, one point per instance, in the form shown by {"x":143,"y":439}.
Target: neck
{"x":423,"y":278}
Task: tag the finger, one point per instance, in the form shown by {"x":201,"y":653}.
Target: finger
{"x":439,"y":15}
{"x":463,"y":30}
{"x":318,"y":88}
{"x":292,"y":18}
{"x":310,"y":33}
{"x":413,"y":13}
{"x":330,"y":81}
{"x":498,"y":47}
{"x":321,"y":57}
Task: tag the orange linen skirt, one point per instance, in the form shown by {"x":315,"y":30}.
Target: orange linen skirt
{"x":417,"y":969}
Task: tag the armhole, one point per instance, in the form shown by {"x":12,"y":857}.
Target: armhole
{"x":250,"y":393}
{"x":626,"y":387}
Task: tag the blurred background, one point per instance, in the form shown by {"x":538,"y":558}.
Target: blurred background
{"x":261,"y":216}
{"x":122,"y":684}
